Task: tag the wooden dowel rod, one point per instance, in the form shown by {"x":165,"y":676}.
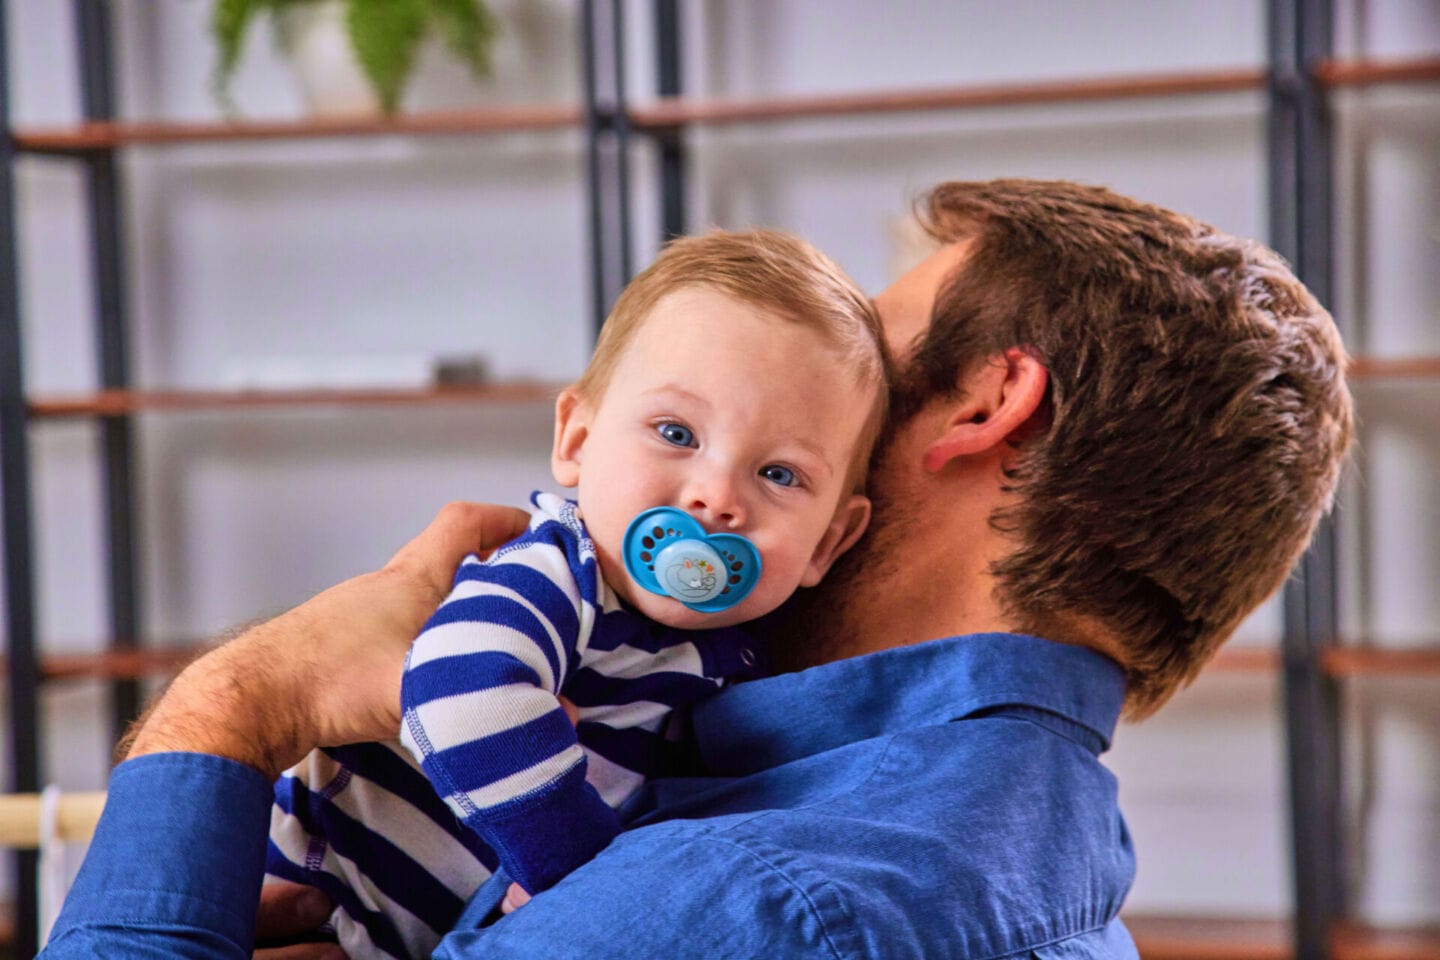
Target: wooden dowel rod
{"x":75,"y":817}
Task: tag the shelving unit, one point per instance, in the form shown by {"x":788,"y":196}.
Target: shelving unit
{"x":1312,"y":663}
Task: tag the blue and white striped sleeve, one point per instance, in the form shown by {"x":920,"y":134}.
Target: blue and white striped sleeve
{"x":481,"y":716}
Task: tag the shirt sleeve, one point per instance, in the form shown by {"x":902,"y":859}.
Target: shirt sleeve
{"x":481,"y":714}
{"x":175,"y":866}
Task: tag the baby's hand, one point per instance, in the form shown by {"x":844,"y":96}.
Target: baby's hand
{"x":515,"y":898}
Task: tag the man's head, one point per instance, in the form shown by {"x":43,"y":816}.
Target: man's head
{"x":1191,"y":433}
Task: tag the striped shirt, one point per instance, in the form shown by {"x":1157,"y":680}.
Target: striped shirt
{"x":506,"y":779}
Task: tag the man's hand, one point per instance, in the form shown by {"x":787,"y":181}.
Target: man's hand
{"x":287,"y":911}
{"x":328,"y":671}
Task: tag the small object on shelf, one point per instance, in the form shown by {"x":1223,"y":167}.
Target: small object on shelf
{"x":467,"y":370}
{"x":353,"y":57}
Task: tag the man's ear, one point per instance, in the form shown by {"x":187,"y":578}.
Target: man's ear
{"x":998,"y":402}
{"x":572,"y":426}
{"x":845,"y":528}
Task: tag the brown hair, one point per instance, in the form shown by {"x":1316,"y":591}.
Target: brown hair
{"x":1198,"y":415}
{"x":776,"y":271}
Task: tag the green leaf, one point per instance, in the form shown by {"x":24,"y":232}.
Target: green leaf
{"x":229,"y":21}
{"x":386,"y":34}
{"x":469,"y":30}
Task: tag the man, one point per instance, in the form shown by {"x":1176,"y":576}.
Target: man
{"x":1116,"y":430}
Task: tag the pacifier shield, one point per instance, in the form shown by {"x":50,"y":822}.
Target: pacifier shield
{"x":667,"y":552}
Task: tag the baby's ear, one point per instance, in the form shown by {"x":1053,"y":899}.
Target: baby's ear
{"x":572,"y":426}
{"x":845,"y":528}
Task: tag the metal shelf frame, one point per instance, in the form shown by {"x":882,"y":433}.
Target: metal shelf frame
{"x":1301,"y":163}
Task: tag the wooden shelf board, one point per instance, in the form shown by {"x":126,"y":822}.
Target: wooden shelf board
{"x":1363,"y":661}
{"x":1353,"y":941}
{"x":1393,"y":368}
{"x":120,"y":664}
{"x":1245,"y":660}
{"x":669,"y":113}
{"x":1367,"y":73}
{"x":87,"y":137}
{"x":1206,"y":938}
{"x":122,"y":402}
{"x":114,"y":403}
{"x":1213,"y":938}
{"x":136,"y":664}
{"x":1349,"y":660}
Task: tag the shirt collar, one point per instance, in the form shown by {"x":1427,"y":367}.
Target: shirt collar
{"x":764,"y":723}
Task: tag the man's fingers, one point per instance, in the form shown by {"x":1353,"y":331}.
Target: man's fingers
{"x":290,"y":909}
{"x":458,"y":529}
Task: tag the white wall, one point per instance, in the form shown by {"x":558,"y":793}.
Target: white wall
{"x":391,"y":248}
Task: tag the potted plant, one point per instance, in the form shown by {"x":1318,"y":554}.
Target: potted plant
{"x":353,"y":56}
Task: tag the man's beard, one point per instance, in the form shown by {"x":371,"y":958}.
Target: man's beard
{"x":828,"y":621}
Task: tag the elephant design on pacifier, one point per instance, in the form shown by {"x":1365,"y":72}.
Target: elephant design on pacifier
{"x":667,"y":552}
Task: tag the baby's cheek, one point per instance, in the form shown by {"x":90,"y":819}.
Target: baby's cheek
{"x":779,"y":579}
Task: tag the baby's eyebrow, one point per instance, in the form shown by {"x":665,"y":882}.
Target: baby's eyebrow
{"x":814,"y":450}
{"x":675,"y":390}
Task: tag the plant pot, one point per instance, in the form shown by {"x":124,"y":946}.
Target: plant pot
{"x":316,"y":41}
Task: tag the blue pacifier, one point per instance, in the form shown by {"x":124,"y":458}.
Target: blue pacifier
{"x":668,"y":553}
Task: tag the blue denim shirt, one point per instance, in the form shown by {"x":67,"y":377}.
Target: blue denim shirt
{"x":932,"y":801}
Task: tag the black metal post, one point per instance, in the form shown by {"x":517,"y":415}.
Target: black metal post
{"x":671,"y":142}
{"x":92,"y":19}
{"x":607,"y":132}
{"x":1301,"y":197}
{"x":15,"y":484}
{"x":620,"y":111}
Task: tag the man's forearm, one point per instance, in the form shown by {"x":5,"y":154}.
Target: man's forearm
{"x":327,"y":672}
{"x":234,"y":703}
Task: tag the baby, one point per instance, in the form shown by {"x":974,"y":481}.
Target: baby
{"x":718,"y":443}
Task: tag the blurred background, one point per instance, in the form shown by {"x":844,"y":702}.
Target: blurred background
{"x":277,"y":315}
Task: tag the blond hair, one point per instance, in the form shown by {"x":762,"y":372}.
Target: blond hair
{"x":777,"y":272}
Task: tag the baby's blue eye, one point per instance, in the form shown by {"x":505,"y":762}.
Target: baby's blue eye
{"x":778,"y":474}
{"x":679,"y":435}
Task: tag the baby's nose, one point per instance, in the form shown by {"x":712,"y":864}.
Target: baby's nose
{"x":715,"y":503}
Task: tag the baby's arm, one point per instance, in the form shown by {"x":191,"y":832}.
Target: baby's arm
{"x":481,"y":714}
